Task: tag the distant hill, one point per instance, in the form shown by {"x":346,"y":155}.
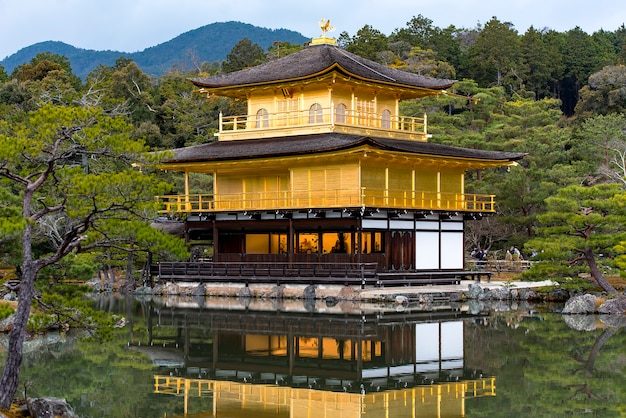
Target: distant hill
{"x":210,"y":43}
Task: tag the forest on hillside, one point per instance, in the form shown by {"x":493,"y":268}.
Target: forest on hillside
{"x":209,"y":43}
{"x":559,"y":97}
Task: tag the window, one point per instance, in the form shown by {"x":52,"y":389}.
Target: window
{"x":386,"y":119}
{"x":262,"y":119}
{"x":315,"y":113}
{"x":372,"y":242}
{"x":365,"y":112}
{"x":336,"y":242}
{"x":273,"y":243}
{"x":340,"y":113}
{"x":307,"y":243}
{"x":257,"y":244}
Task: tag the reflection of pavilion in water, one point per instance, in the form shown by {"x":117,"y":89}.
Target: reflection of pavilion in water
{"x":292,"y":361}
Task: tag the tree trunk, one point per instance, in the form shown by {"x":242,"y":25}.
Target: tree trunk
{"x":11,"y":373}
{"x":596,"y":273}
{"x":129,"y":262}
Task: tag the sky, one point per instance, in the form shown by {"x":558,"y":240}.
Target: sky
{"x":133,"y":25}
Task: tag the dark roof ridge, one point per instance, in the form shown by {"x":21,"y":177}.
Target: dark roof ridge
{"x":320,"y":59}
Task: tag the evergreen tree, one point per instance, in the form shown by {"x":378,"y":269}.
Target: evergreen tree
{"x":73,"y":168}
{"x":244,"y":54}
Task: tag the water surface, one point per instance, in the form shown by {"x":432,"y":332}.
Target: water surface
{"x":240,"y":357}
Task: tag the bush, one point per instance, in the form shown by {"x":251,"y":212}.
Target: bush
{"x":6,"y":311}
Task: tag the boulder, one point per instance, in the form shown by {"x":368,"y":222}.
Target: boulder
{"x":474,"y":291}
{"x":527,"y":294}
{"x":500,"y":293}
{"x":402,"y":300}
{"x":200,"y":290}
{"x":613,"y":306}
{"x":244,"y":292}
{"x":49,"y":408}
{"x":348,"y":293}
{"x":558,"y":295}
{"x":309,"y":292}
{"x":424,"y":298}
{"x":584,"y":304}
{"x":277,"y":292}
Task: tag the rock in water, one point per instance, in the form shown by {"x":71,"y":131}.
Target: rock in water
{"x":50,"y":408}
{"x":584,"y":304}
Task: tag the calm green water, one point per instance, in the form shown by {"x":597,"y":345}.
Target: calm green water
{"x":527,"y":361}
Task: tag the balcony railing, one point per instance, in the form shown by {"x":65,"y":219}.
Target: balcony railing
{"x":295,"y":200}
{"x":296,"y":121}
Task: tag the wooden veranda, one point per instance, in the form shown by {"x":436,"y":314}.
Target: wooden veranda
{"x":361,"y":274}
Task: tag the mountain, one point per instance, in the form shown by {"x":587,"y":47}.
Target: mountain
{"x":208,"y":43}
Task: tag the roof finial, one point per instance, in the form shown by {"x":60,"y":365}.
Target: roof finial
{"x":325,"y":26}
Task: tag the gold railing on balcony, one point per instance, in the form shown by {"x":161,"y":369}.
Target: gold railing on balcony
{"x":323,"y":116}
{"x":290,"y":200}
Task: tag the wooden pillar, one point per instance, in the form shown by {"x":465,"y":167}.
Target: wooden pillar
{"x":290,"y":242}
{"x":215,"y":241}
{"x":359,"y":244}
{"x":359,"y":358}
{"x":187,"y":188}
{"x":290,"y":348}
{"x":215,"y":351}
{"x":187,"y":340}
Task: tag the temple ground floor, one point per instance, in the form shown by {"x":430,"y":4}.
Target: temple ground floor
{"x":394,"y":240}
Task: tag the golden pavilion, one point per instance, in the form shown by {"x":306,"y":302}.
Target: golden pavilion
{"x":324,"y":169}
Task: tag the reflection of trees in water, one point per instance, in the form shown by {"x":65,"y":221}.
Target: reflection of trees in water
{"x":545,"y":367}
{"x":589,"y":363}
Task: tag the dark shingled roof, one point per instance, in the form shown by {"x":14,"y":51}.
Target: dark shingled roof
{"x":317,"y":60}
{"x":318,"y":143}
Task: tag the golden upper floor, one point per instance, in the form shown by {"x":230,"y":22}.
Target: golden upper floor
{"x":313,"y":118}
{"x":331,"y":171}
{"x":322,"y":89}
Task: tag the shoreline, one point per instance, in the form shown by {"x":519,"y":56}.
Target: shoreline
{"x":466,"y":290}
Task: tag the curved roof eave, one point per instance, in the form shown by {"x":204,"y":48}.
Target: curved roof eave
{"x":321,"y":143}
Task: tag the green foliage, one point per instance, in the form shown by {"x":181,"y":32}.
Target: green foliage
{"x":604,"y":94}
{"x":495,"y":55}
{"x":244,"y":54}
{"x":6,"y":311}
{"x":184,"y":117}
{"x":581,"y":224}
{"x":41,"y":323}
{"x":542,"y":62}
{"x":280,"y":49}
{"x":367,"y":43}
{"x":65,"y":307}
{"x":75,"y":267}
{"x":96,"y":179}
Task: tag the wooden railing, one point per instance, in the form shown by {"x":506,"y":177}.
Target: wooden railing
{"x":290,"y":200}
{"x":360,"y":274}
{"x":323,"y":116}
{"x":500,"y":265}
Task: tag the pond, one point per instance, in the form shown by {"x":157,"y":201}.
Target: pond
{"x":233,"y":357}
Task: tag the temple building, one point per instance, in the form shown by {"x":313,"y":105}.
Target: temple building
{"x":324,"y":168}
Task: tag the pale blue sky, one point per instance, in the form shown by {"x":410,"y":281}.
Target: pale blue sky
{"x":133,"y":25}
